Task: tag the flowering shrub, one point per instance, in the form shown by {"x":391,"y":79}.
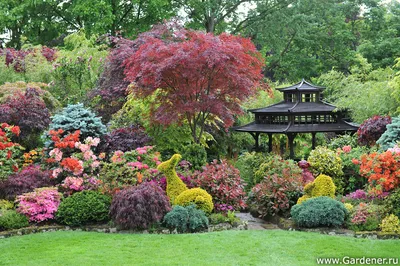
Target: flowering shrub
{"x":140,"y":206}
{"x":372,"y":129}
{"x":9,"y":151}
{"x":382,"y":170}
{"x":276,"y":194}
{"x":125,"y":139}
{"x":351,"y":168}
{"x":26,"y":180}
{"x":224,"y":184}
{"x":365,"y":217}
{"x":39,"y":205}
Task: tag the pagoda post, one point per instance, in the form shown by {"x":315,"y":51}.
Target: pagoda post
{"x":291,"y":137}
{"x":269,"y":142}
{"x":313,"y":140}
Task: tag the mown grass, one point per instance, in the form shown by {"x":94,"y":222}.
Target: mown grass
{"x":269,"y":247}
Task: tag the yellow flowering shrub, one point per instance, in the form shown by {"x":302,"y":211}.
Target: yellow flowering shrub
{"x":197,"y":196}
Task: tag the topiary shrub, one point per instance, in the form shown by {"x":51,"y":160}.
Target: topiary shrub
{"x":10,"y":219}
{"x":391,"y":135}
{"x":195,"y":154}
{"x":27,"y":180}
{"x":372,"y":129}
{"x":76,"y":117}
{"x":175,"y":185}
{"x":140,"y":206}
{"x":116,"y":176}
{"x":222,"y":181}
{"x":29,"y":112}
{"x":197,"y":196}
{"x":185,"y":219}
{"x":390,"y":224}
{"x":327,"y":162}
{"x":83,"y":208}
{"x":319,"y":212}
{"x":322,"y":186}
{"x":125,"y":139}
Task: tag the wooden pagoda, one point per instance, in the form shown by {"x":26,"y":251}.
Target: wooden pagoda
{"x":301,"y":111}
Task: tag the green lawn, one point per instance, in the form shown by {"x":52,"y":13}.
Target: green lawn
{"x":220,"y":248}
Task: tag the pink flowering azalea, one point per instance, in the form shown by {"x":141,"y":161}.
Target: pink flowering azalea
{"x":39,"y":205}
{"x":95,"y":164}
{"x":346,"y":149}
{"x":56,"y":172}
{"x":92,"y":141}
{"x":117,"y":157}
{"x":141,"y":150}
{"x":102,"y":155}
{"x":395,"y":149}
{"x":137,"y":165}
{"x":57,"y":154}
{"x":73,"y":183}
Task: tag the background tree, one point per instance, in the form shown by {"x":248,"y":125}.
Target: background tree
{"x":196,"y":77}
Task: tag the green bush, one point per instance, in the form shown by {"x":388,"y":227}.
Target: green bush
{"x":185,"y":219}
{"x":6,"y":205}
{"x":84,"y":208}
{"x":276,"y":165}
{"x":195,"y":154}
{"x":343,"y":140}
{"x":392,"y":202}
{"x":248,"y":164}
{"x":319,"y":212}
{"x":10,"y":219}
{"x":116,"y":176}
{"x":327,"y":162}
{"x":76,"y":117}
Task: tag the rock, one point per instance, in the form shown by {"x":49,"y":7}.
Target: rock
{"x":113,"y":230}
{"x":165,"y":232}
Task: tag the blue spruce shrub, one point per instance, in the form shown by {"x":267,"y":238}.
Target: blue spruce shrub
{"x":391,"y":135}
{"x":185,"y":219}
{"x":76,"y":117}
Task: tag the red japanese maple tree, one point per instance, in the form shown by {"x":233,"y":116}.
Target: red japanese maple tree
{"x":196,"y":77}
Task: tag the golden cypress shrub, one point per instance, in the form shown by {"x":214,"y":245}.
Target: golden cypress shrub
{"x":321,"y":186}
{"x":197,"y":196}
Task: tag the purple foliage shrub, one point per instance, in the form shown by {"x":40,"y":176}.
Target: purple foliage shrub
{"x":27,"y":180}
{"x":125,"y":139}
{"x":372,"y":129}
{"x":140,"y":206}
{"x":307,"y":176}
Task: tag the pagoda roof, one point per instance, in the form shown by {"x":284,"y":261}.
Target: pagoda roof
{"x":340,"y":126}
{"x":302,"y":86}
{"x":284,"y":107}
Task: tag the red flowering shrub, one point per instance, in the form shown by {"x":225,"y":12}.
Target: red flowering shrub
{"x":224,"y":184}
{"x":26,"y":180}
{"x":39,"y":205}
{"x":9,"y":151}
{"x":276,"y":194}
{"x":140,"y":206}
{"x":372,"y":129}
{"x":382,"y":170}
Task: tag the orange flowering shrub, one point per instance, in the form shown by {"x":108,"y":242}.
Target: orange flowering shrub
{"x":382,"y":170}
{"x":9,"y":151}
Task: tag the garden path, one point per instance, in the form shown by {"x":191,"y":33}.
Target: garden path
{"x":255,"y":223}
